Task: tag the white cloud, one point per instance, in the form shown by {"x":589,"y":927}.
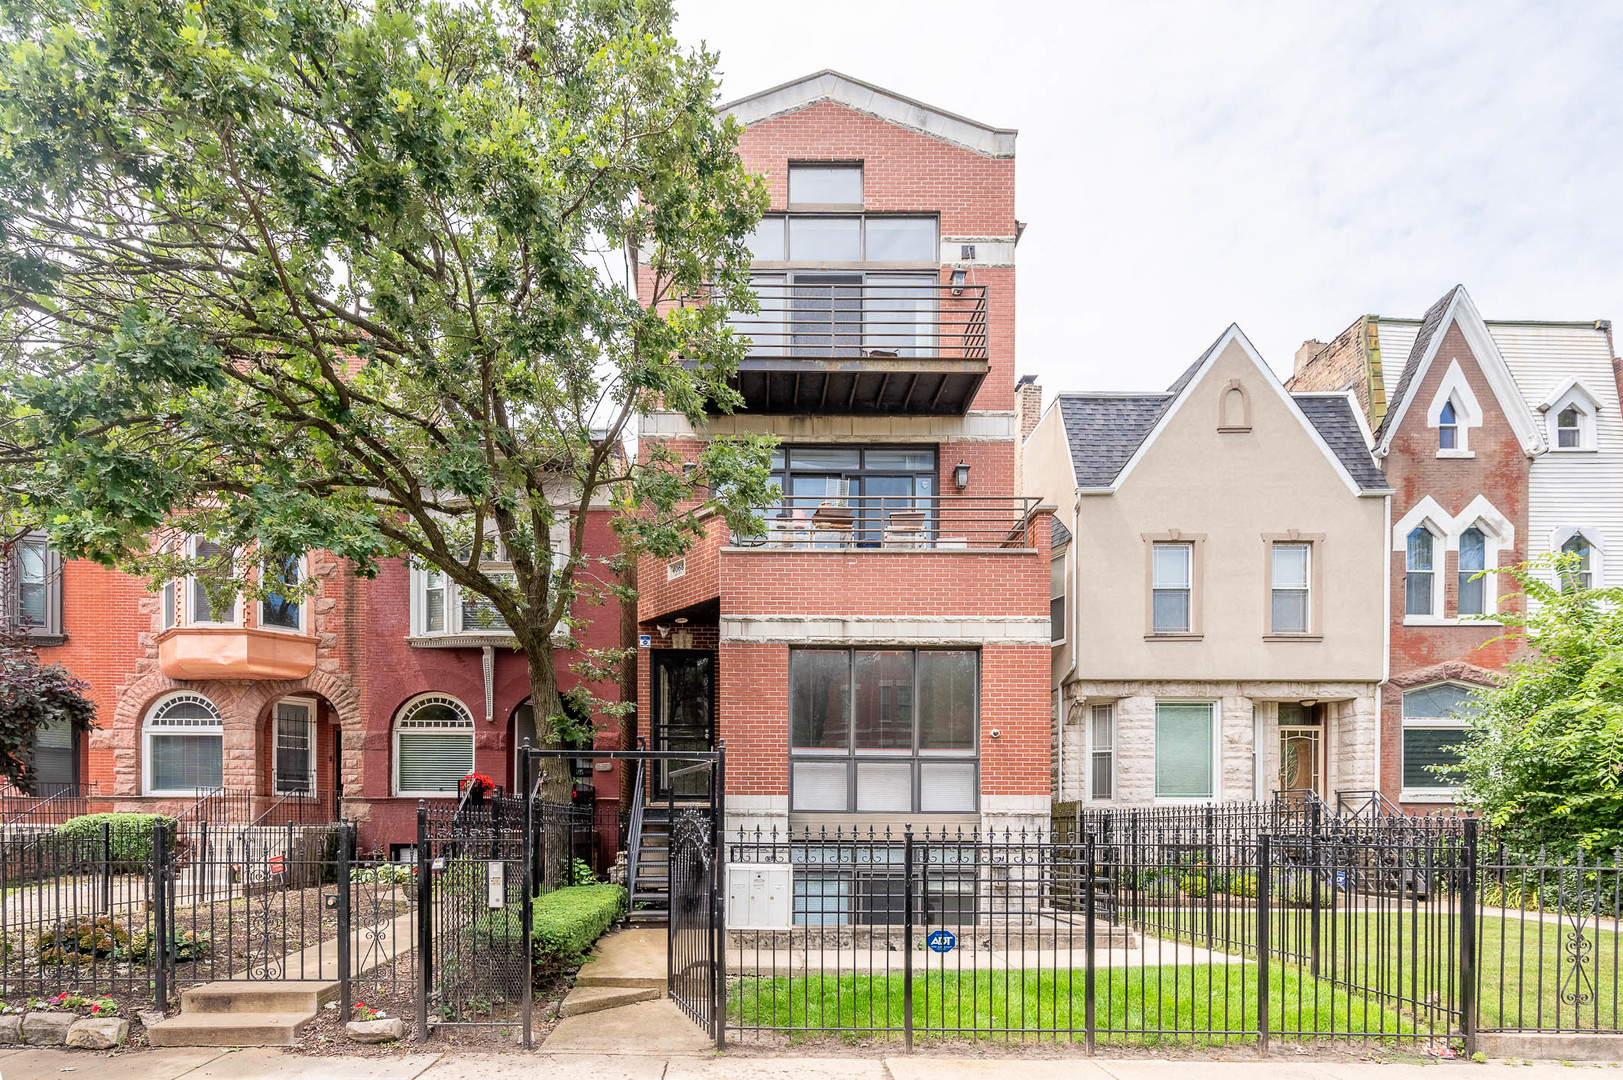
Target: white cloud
{"x":1286,"y":166}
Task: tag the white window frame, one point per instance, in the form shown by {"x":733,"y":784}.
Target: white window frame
{"x":152,"y":724}
{"x":1456,"y":391}
{"x":1215,"y":714}
{"x":1187,"y":588}
{"x":1441,"y":793}
{"x":275,"y":737}
{"x":1106,"y":712}
{"x":1306,"y":587}
{"x":301,"y":630}
{"x":1490,"y":561}
{"x":1572,"y":395}
{"x":1597,"y":553}
{"x":425,"y":578}
{"x":1451,"y":426}
{"x":1058,"y":571}
{"x":404,"y":721}
{"x":1439,"y":547}
{"x":177,"y":595}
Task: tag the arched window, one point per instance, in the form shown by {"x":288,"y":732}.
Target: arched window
{"x":1448,"y":428}
{"x":433,"y":746}
{"x":1420,"y":576}
{"x":1473,"y":561}
{"x":184,"y":745}
{"x":1580,"y":575}
{"x":1436,"y":720}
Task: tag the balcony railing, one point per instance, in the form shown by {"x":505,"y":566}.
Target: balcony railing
{"x":854,"y":343}
{"x":891,"y":523}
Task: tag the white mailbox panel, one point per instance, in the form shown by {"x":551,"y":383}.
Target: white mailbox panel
{"x":758,"y":896}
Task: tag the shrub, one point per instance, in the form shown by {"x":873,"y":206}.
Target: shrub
{"x":566,"y":924}
{"x":385,"y":874}
{"x":580,"y":873}
{"x":86,"y":938}
{"x":130,"y":835}
{"x":1194,"y":885}
{"x":1241,"y":884}
{"x":185,"y":945}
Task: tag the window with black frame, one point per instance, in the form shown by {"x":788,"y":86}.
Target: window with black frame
{"x":854,"y":495}
{"x":883,"y":731}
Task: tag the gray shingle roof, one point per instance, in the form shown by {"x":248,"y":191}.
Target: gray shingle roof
{"x":1333,"y":416}
{"x":1429,"y":325}
{"x":1105,"y":429}
{"x":1060,"y":534}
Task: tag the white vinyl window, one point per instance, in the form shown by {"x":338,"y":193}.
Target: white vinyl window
{"x":1569,"y":428}
{"x":1185,"y":751}
{"x":1581,"y":575}
{"x":1448,"y":428}
{"x":1102,"y":752}
{"x":1170,"y":601}
{"x":201,"y":601}
{"x":1290,"y":587}
{"x":442,"y":607}
{"x":1473,"y":561}
{"x":1419,"y":573}
{"x":183,"y":745}
{"x":1056,"y":598}
{"x":826,"y":185}
{"x":433,"y":747}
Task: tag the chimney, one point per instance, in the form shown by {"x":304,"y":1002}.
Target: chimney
{"x":1304,"y":355}
{"x":1028,"y":404}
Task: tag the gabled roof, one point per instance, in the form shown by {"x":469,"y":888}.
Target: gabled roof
{"x":876,"y":101}
{"x":1456,"y":306}
{"x":1060,"y":534}
{"x":1107,"y":433}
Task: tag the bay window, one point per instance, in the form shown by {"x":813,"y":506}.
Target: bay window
{"x":883,"y":730}
{"x":277,"y":610}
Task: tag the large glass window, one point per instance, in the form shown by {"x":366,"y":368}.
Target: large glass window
{"x":846,"y":238}
{"x":1418,"y":576}
{"x":1290,"y":588}
{"x":1170,"y":603}
{"x":849,"y":495}
{"x":825,"y":185}
{"x":1185,"y":750}
{"x":184,"y":745}
{"x":433,"y":746}
{"x":883,"y":730}
{"x":1473,"y":561}
{"x":1436,"y":720}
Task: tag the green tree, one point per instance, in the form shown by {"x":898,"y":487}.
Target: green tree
{"x":1544,"y":762}
{"x":300,"y":274}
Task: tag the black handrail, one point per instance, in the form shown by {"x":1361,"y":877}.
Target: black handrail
{"x":634,"y":834}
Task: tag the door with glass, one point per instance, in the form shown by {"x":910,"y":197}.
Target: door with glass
{"x":684,"y":719}
{"x":295,"y":765}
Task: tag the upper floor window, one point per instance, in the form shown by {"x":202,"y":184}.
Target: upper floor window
{"x":1579,"y":575}
{"x":1172,"y":588}
{"x":1291,"y":567}
{"x":1473,"y":561}
{"x":202,"y":599}
{"x":1056,"y":597}
{"x":1448,"y":428}
{"x":34,"y":580}
{"x":442,"y":607}
{"x":278,"y":611}
{"x":852,"y":238}
{"x":1568,"y":430}
{"x":1570,"y":412}
{"x":825,"y":184}
{"x":1419,"y":576}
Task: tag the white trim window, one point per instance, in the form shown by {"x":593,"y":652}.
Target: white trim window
{"x":1436,"y":719}
{"x":1291,"y":577}
{"x":1185,"y":751}
{"x":1582,"y":576}
{"x":1570,"y":413}
{"x":1569,"y":428}
{"x":1420,"y":573}
{"x":1102,"y":752}
{"x":433,"y":747}
{"x":1056,"y":598}
{"x":188,"y":601}
{"x":440,"y":607}
{"x":278,"y":612}
{"x":1448,"y":428}
{"x":1172,"y":588}
{"x":183,"y":745}
{"x":1473,"y":582}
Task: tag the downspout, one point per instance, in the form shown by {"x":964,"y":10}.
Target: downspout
{"x":1386,"y":637}
{"x":1073,"y":615}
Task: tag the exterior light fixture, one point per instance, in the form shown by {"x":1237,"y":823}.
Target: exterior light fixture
{"x":960,"y":475}
{"x":957,"y":283}
{"x":681,"y":620}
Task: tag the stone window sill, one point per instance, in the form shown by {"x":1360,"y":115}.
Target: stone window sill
{"x":1174,"y":637}
{"x":1293,"y":637}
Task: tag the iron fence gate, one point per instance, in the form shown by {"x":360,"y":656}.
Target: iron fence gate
{"x":695,"y":955}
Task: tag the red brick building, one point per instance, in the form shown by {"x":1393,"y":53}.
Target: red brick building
{"x":880,"y":652}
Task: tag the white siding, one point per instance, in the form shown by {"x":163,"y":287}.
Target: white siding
{"x":1571,"y":489}
{"x":1396,"y":339}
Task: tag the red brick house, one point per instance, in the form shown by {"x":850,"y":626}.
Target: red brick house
{"x":1502,"y":442}
{"x":880,"y":653}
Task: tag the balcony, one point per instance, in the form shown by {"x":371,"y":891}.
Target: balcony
{"x":234,"y":652}
{"x":897,"y":524}
{"x":851,"y":343}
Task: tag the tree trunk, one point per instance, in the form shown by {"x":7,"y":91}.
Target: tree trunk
{"x":552,"y":772}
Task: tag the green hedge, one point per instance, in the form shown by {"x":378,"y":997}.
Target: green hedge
{"x":566,"y":924}
{"x":130,"y":835}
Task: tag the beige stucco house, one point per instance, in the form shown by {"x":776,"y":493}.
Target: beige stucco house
{"x":1219,"y":587}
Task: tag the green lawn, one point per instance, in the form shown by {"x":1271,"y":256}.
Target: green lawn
{"x":1524,"y":976}
{"x":1138,"y":1006}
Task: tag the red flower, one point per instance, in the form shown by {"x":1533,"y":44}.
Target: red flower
{"x":479,"y":782}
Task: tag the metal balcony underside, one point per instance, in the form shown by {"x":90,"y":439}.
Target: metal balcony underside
{"x":847,"y":386}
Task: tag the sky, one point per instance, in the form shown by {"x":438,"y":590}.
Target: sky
{"x":1285,"y":166}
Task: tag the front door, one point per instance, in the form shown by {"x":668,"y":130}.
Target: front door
{"x":1301,"y":760}
{"x":684,"y":718}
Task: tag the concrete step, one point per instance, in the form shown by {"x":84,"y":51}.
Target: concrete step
{"x":229,"y":1029}
{"x":591,"y":999}
{"x":258,"y":996}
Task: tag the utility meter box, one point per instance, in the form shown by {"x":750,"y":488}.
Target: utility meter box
{"x":759,"y":896}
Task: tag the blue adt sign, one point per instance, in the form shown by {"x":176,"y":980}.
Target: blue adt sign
{"x":942,"y":941}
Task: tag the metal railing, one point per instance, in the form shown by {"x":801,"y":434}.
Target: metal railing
{"x":895,"y":523}
{"x":1368,"y":805}
{"x":882,"y":318}
{"x":48,"y":805}
{"x":312,"y":807}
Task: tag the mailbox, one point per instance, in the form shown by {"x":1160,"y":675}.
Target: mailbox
{"x":759,"y":896}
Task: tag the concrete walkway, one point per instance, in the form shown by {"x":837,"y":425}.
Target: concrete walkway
{"x":264,"y":1064}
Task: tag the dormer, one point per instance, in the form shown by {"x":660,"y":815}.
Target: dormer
{"x":1570,"y":412}
{"x":1453,"y":412}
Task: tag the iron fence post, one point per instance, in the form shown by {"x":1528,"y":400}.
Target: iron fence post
{"x":1316,"y":854}
{"x":1468,"y":903}
{"x":527,"y":903}
{"x":425,"y":917}
{"x":1088,"y":985}
{"x":907,"y":937}
{"x":160,"y":915}
{"x":718,"y":802}
{"x":107,"y":866}
{"x":1264,"y":872}
{"x":346,"y":837}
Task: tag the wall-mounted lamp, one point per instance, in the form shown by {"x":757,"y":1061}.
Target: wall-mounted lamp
{"x":681,"y":620}
{"x":664,"y":630}
{"x":957,"y":283}
{"x":960,"y":475}
{"x":1308,"y":703}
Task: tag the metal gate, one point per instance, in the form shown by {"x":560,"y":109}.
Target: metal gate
{"x":695,"y":949}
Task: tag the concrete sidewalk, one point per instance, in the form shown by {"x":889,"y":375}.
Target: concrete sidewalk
{"x":268,"y":1064}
